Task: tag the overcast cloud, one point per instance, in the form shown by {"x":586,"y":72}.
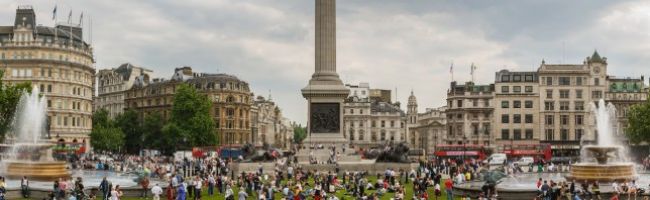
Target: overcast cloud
{"x":403,"y":45}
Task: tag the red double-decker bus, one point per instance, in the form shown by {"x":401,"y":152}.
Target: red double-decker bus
{"x":537,"y":151}
{"x":461,"y":150}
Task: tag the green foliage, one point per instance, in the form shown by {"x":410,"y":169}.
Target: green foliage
{"x":171,"y":139}
{"x":152,"y":130}
{"x":106,"y":138}
{"x":299,"y":133}
{"x":191,"y":119}
{"x":9,"y":98}
{"x":129,"y":124}
{"x":638,"y":129}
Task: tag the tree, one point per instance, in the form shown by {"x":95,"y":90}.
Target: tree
{"x":128,"y":122}
{"x":299,"y":133}
{"x":152,"y":130}
{"x":191,"y":118}
{"x":105,"y":136}
{"x":171,"y":139}
{"x":9,"y":98}
{"x":638,"y":129}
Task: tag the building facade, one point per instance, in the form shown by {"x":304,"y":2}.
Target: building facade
{"x":516,"y":109}
{"x":567,"y":92}
{"x":470,"y":114}
{"x":60,"y":64}
{"x":230,"y":96}
{"x":369,"y":123}
{"x":624,"y":93}
{"x":113,"y":83}
{"x":268,"y":124}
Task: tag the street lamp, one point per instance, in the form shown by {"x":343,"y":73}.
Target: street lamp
{"x":464,"y":147}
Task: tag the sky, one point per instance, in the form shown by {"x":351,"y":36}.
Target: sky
{"x":398,"y":45}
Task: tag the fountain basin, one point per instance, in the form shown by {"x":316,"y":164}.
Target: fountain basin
{"x":40,"y":171}
{"x":602,"y":172}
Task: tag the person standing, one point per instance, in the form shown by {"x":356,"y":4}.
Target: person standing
{"x":24,"y":187}
{"x":197,"y":188}
{"x":448,"y":188}
{"x":242,"y":195}
{"x":145,"y":186}
{"x":156,"y":191}
{"x":103,"y":186}
{"x":211,"y":183}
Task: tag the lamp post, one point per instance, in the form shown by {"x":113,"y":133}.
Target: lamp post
{"x":464,"y":147}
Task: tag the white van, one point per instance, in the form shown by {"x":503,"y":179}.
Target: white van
{"x":525,"y":161}
{"x":497,"y":159}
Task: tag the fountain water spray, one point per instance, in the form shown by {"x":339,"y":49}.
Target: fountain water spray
{"x":26,"y":154}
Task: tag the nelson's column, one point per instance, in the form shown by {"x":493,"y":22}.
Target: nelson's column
{"x":325,"y":92}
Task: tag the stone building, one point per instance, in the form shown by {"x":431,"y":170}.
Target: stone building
{"x":566,"y":94}
{"x":368,"y":123}
{"x":268,"y":124}
{"x":60,"y":64}
{"x":624,"y":93}
{"x":231,"y":101}
{"x":112,"y":84}
{"x":470,"y":114}
{"x":516,"y":109}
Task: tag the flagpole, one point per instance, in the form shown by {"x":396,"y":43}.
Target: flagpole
{"x":451,"y":70}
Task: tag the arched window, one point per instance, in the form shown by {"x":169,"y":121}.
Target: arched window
{"x":230,"y":99}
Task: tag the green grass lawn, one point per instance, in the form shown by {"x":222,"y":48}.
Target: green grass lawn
{"x":408,"y":193}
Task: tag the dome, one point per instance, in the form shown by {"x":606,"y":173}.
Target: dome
{"x":412,"y":100}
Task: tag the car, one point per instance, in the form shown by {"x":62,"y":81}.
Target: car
{"x":525,"y":161}
{"x":496,"y":159}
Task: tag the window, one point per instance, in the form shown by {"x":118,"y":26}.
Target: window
{"x":596,"y":94}
{"x":516,"y":134}
{"x":579,"y":133}
{"x":516,"y":89}
{"x":351,"y":111}
{"x":549,"y":80}
{"x":505,"y":78}
{"x":373,"y":123}
{"x":516,"y":118}
{"x":516,"y":78}
{"x":564,"y":119}
{"x":549,"y":94}
{"x":564,"y":134}
{"x":564,"y":94}
{"x":578,"y":94}
{"x":505,"y":119}
{"x":564,"y":105}
{"x":392,"y":124}
{"x":580,"y":119}
{"x":505,"y":104}
{"x":564,"y":81}
{"x":549,"y":105}
{"x":529,"y":78}
{"x":516,"y":104}
{"x":529,"y":134}
{"x":529,"y":118}
{"x":529,"y":89}
{"x":459,"y":103}
{"x":596,"y":81}
{"x":579,"y":105}
{"x":383,"y":123}
{"x":505,"y":134}
{"x":528,"y":104}
{"x":505,"y":89}
{"x":578,"y":80}
{"x":548,"y":119}
{"x":549,"y":134}
{"x":475,"y":102}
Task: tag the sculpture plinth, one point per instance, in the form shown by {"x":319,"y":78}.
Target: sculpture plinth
{"x":325,"y":91}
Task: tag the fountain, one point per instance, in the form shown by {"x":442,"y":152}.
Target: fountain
{"x":25,"y":153}
{"x":606,"y":148}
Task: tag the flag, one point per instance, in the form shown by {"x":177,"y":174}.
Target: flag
{"x":54,"y":13}
{"x":69,"y":16}
{"x":473,"y":68}
{"x":81,"y":18}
